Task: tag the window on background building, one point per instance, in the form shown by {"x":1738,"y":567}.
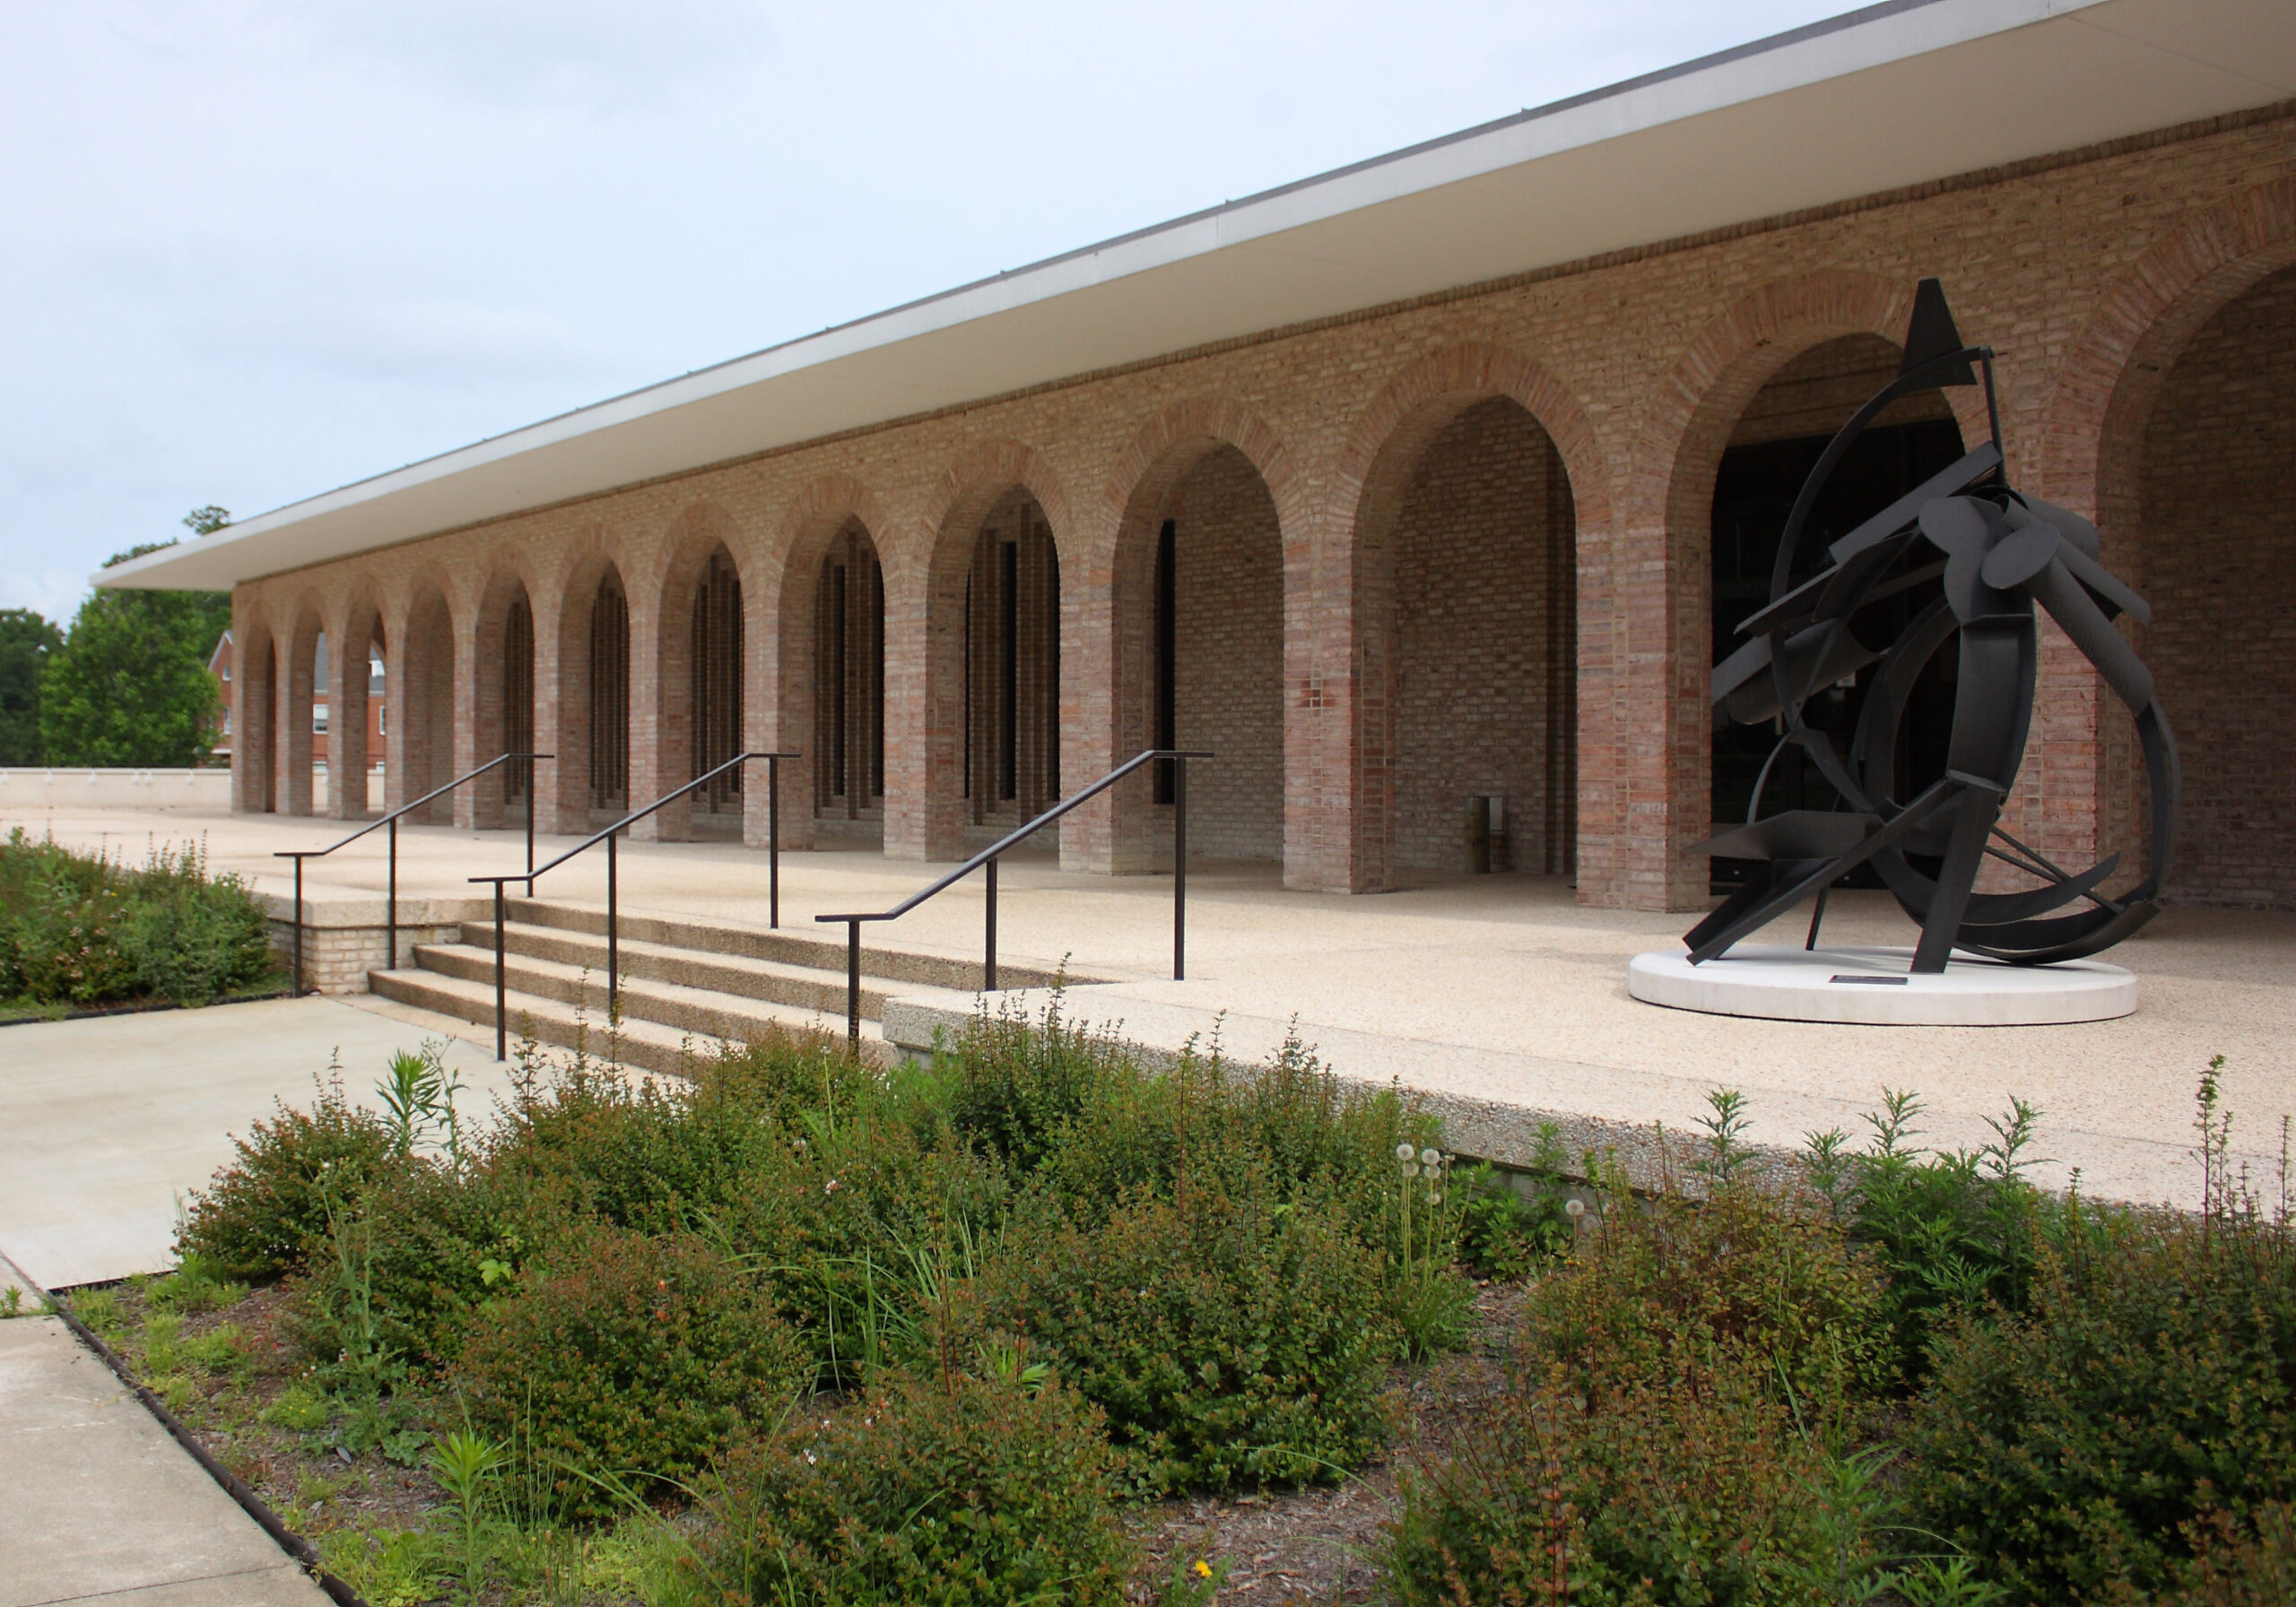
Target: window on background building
{"x":318,"y":719}
{"x":374,"y":673}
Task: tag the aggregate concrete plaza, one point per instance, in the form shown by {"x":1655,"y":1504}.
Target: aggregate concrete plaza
{"x":1498,"y":998}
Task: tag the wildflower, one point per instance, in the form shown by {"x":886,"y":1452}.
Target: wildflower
{"x":1429,"y":1156}
{"x":1574,"y":1209}
{"x":1404,"y":1152}
{"x":1203,"y":1568}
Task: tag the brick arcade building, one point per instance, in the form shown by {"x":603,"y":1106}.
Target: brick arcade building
{"x":1436,"y":478}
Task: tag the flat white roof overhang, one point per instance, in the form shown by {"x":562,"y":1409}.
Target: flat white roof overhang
{"x":1892,"y":95}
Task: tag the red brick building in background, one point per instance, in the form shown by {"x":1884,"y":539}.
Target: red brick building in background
{"x":1434,"y":479}
{"x":219,"y":664}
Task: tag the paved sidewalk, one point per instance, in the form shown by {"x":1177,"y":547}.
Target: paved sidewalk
{"x":98,"y":1504}
{"x":106,"y":1124}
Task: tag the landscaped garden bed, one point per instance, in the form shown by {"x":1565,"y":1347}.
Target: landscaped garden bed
{"x":87,"y":934}
{"x":1032,"y":1323}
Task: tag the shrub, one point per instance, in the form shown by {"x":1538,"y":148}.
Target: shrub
{"x":190,"y":937}
{"x":1506,"y":1231}
{"x":977,"y":1490}
{"x":1950,"y":1232}
{"x":259,"y":1216}
{"x":1692,"y":1489}
{"x":1229,"y":1337}
{"x":2234,"y":1564}
{"x":634,"y":1358}
{"x":2151,"y":1377}
{"x":1088,"y":1126}
{"x":1749,"y":1267}
{"x":82,"y":929}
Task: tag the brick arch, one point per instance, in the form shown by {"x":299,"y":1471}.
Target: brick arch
{"x":1375,"y":471}
{"x":801,"y":539}
{"x":1413,"y":407}
{"x":2094,"y":424}
{"x":304,"y":621}
{"x":507,"y":575}
{"x":1653,"y":664}
{"x":2092,"y":459}
{"x":1160,"y":454}
{"x":357,"y":624}
{"x":1115,"y":677}
{"x":924,"y":576}
{"x":254,"y":683}
{"x":566,"y":781}
{"x":689,"y":540}
{"x":969,"y":487}
{"x":428,"y":665}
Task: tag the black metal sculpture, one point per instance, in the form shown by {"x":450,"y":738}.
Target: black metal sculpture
{"x":1996,"y":552}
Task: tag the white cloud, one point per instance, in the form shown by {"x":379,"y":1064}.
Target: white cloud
{"x":256,"y":248}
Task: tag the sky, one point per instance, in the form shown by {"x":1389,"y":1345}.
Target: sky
{"x":255,"y":249}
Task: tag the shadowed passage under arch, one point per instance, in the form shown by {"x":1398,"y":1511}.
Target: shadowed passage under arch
{"x":849,"y":686}
{"x":2216,"y":552}
{"x":1467,"y":602}
{"x":716,"y":668}
{"x":1010,"y":759}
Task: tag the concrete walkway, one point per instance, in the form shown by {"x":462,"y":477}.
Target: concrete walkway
{"x":1499,"y":989}
{"x":107,"y":1124}
{"x":98,"y":1504}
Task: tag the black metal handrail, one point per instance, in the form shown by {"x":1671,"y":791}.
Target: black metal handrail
{"x":613,"y":899}
{"x":390,"y":898}
{"x":989,"y":856}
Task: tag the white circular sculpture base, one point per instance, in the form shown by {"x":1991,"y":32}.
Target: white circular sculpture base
{"x":1875,"y":987}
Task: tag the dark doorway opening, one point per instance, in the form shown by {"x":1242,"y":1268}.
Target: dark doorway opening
{"x":1753,"y":493}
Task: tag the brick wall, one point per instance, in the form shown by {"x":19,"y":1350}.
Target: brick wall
{"x":1475,"y":639}
{"x":2220,"y":536}
{"x":1639,"y":366}
{"x":1228,"y":632}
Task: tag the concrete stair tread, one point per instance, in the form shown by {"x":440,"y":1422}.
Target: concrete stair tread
{"x":638,"y":952}
{"x":647,"y":1044}
{"x":715,"y":986}
{"x":808,"y":946}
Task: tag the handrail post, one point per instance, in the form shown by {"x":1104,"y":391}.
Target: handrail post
{"x":989,"y":964}
{"x":530,"y":828}
{"x":614,"y":925}
{"x":502,"y":1006}
{"x":390,"y":901}
{"x":299,"y":927}
{"x":1180,"y":869}
{"x":773,"y":840}
{"x":853,"y":983}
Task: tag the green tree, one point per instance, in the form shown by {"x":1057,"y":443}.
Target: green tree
{"x":27,"y":643}
{"x":130,"y":685}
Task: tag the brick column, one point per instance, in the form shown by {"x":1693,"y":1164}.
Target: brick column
{"x":924,"y":716}
{"x":294,"y":741}
{"x":346,"y":764}
{"x":660,"y":739}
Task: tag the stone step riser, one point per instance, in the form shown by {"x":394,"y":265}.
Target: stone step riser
{"x":893,"y":965}
{"x":689,"y":968}
{"x":550,"y":1021}
{"x":712,"y":1014}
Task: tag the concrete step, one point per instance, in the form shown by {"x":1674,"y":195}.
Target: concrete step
{"x":825,"y":952}
{"x":704,"y":1011}
{"x":770,"y":981}
{"x":644,"y":1043}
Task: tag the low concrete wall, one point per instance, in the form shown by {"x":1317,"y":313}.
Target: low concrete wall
{"x":44,"y":788}
{"x":344,"y":939}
